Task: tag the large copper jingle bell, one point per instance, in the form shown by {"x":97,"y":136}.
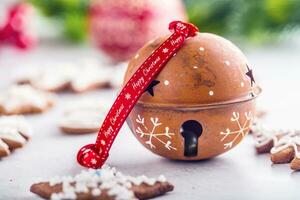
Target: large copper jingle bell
{"x":200,"y":105}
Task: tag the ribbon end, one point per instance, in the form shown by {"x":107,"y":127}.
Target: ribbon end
{"x":89,"y":157}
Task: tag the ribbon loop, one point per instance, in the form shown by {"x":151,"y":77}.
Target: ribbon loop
{"x":89,"y":156}
{"x":187,"y":29}
{"x":94,"y":155}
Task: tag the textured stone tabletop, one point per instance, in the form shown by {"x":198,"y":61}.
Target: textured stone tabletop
{"x":238,"y":174}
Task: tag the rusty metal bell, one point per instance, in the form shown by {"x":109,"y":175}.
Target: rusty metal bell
{"x":200,"y":105}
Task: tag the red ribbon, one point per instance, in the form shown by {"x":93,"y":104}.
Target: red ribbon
{"x":95,"y":155}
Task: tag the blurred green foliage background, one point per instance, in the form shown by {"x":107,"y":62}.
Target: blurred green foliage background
{"x":252,"y":20}
{"x":255,"y":21}
{"x":71,"y":14}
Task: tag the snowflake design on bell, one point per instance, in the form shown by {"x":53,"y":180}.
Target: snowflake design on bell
{"x":144,"y":131}
{"x":240,"y":132}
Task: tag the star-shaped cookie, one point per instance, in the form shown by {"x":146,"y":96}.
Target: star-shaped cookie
{"x":287,"y":150}
{"x":24,"y":99}
{"x":103,"y":184}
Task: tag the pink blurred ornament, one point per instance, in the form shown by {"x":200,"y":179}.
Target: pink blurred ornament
{"x":120,"y":27}
{"x":14,"y":31}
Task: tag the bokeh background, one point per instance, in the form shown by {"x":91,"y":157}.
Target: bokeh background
{"x":45,"y":34}
{"x":108,"y":32}
{"x":251,"y":22}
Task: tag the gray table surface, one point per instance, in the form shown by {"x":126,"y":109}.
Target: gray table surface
{"x":238,"y":174}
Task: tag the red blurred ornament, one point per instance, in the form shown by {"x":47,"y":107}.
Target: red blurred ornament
{"x":14,"y":31}
{"x":120,"y":27}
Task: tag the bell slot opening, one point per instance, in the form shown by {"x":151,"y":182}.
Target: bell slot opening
{"x":191,"y":130}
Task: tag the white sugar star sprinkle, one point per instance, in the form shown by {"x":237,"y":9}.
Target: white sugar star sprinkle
{"x":166,"y":82}
{"x":195,"y":67}
{"x":201,"y":49}
{"x":136,"y":56}
{"x":96,"y":192}
{"x":242,"y":84}
{"x":165,"y":50}
{"x":127,"y":96}
{"x":211,"y":93}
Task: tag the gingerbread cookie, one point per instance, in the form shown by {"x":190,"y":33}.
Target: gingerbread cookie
{"x":52,"y":79}
{"x":83,"y":117}
{"x":265,"y":137}
{"x":14,"y":133}
{"x":106,"y":184}
{"x":90,"y":78}
{"x":287,"y":150}
{"x":24,"y":99}
{"x":65,"y":77}
{"x":78,"y":78}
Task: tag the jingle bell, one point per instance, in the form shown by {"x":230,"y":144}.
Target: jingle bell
{"x":200,"y":105}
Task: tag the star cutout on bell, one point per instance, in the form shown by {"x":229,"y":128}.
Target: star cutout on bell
{"x":249,"y":73}
{"x":151,"y":86}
